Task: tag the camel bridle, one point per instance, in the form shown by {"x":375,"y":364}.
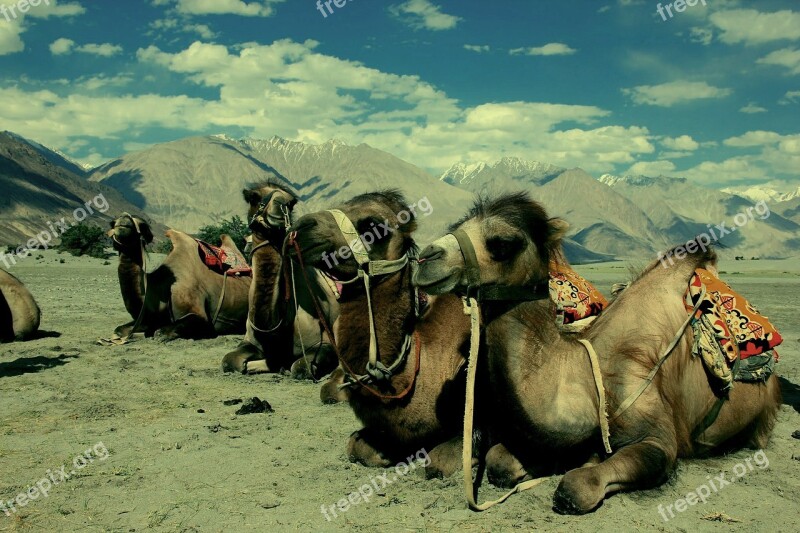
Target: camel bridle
{"x":377,"y":373}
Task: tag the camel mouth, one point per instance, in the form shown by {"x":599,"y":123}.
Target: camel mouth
{"x":436,"y":282}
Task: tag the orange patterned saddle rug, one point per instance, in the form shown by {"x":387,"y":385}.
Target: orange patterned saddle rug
{"x":223,"y":260}
{"x":576,"y":298}
{"x":735,"y":341}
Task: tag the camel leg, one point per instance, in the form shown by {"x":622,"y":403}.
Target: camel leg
{"x":638,"y":466}
{"x":125,"y":329}
{"x":445,"y":459}
{"x":363,"y":446}
{"x":323,"y":361}
{"x":503,"y":469}
{"x":191,"y":326}
{"x":236,"y":361}
{"x":330,"y":393}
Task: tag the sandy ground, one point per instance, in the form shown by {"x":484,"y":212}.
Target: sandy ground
{"x":178,"y":459}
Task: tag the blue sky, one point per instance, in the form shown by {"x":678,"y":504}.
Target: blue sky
{"x":712,"y":93}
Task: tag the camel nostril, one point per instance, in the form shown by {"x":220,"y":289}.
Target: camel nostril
{"x":431,"y":253}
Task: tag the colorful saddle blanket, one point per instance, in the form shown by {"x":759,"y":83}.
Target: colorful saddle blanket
{"x":575,"y":297}
{"x":223,"y":260}
{"x":735,"y":341}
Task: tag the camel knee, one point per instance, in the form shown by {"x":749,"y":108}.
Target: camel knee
{"x":330,"y":392}
{"x":503,"y":469}
{"x":360,"y":450}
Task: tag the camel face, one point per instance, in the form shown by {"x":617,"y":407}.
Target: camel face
{"x":269,"y":205}
{"x":383,"y":220}
{"x":513,"y":240}
{"x":127,"y":232}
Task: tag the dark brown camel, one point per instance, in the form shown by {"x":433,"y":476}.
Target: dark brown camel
{"x":19,"y":314}
{"x":544,"y":403}
{"x":412,"y":407}
{"x":275,"y":328}
{"x":182,"y":299}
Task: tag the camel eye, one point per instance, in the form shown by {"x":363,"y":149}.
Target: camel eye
{"x":504,"y":248}
{"x":372,"y":225}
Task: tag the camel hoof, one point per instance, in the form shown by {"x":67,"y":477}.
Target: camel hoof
{"x":360,"y":451}
{"x":576,"y":495}
{"x":444,"y":460}
{"x":330,"y":392}
{"x":165,"y":335}
{"x":236,"y":361}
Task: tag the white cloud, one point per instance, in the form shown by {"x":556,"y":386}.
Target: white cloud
{"x":791,"y":97}
{"x":423,"y":14}
{"x":480,"y":48}
{"x":173,"y":24}
{"x":12,"y":27}
{"x":289,"y":89}
{"x":10,"y":37}
{"x":675,"y":92}
{"x":785,"y":57}
{"x":256,"y":8}
{"x":702,"y":36}
{"x":64,"y":46}
{"x":682,"y":143}
{"x":550,"y":49}
{"x":754,"y":138}
{"x":752,"y":27}
{"x":651,"y":168}
{"x":752,"y":109}
{"x":61,"y":46}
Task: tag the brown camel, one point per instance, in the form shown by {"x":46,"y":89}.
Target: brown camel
{"x":19,"y":314}
{"x":544,"y":402}
{"x":182,"y":298}
{"x":415,"y":401}
{"x":278,"y":334}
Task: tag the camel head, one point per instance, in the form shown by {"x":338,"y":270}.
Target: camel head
{"x":383,"y":220}
{"x":514,"y":241}
{"x":268,"y":205}
{"x":128,"y":232}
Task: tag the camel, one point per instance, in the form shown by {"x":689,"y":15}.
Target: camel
{"x":19,"y":314}
{"x":182,"y":298}
{"x":279,"y":334}
{"x":544,"y":398}
{"x":410,"y":399}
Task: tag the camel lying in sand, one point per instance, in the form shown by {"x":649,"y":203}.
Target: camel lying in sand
{"x":182,"y":298}
{"x":411,"y":397}
{"x":19,"y":314}
{"x":544,"y":401}
{"x":278,"y":334}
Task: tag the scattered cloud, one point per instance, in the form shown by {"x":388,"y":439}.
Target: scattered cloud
{"x":423,"y":14}
{"x":791,"y":97}
{"x":682,"y":143}
{"x":12,"y":28}
{"x":604,"y":9}
{"x":651,"y":168}
{"x":785,"y":57}
{"x":550,"y":49}
{"x":256,"y":8}
{"x":753,"y":27}
{"x":64,"y":46}
{"x":700,"y":35}
{"x":752,"y":109}
{"x":11,"y":37}
{"x":480,"y":48}
{"x":173,"y":24}
{"x":675,"y":92}
{"x":753,"y":138}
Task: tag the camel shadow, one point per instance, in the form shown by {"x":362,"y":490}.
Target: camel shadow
{"x":32,"y":365}
{"x":790,"y":393}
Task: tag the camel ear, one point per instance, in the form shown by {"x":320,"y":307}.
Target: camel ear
{"x":558,"y":230}
{"x":147,"y":233}
{"x":251,"y":197}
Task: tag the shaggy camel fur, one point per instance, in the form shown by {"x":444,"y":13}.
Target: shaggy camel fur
{"x":543,"y":406}
{"x":429,"y":414}
{"x":275,"y":328}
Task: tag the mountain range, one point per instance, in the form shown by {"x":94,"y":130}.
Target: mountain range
{"x":40,"y":186}
{"x":195,"y":181}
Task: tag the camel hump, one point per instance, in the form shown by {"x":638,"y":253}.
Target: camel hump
{"x":229,"y":243}
{"x":181,"y":243}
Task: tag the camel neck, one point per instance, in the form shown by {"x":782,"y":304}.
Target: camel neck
{"x":131,"y":281}
{"x":393,"y":309}
{"x":265,"y":290}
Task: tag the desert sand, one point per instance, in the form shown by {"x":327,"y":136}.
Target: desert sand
{"x":179,"y":459}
